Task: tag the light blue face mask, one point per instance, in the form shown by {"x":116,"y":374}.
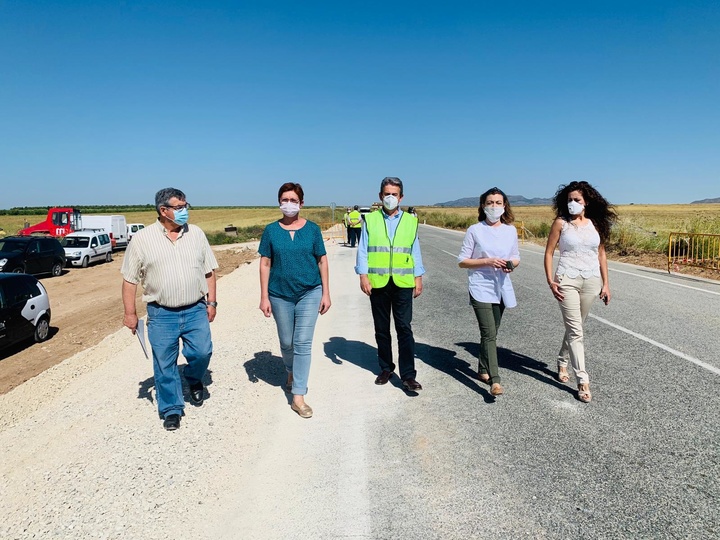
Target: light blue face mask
{"x":181,"y":216}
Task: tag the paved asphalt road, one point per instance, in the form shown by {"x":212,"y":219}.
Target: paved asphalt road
{"x":641,"y":461}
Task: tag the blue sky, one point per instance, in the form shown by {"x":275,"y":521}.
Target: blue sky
{"x":106,"y":102}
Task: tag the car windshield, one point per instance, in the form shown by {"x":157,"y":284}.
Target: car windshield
{"x":76,"y":242}
{"x":13,"y":246}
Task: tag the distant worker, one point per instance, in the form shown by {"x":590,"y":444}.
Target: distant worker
{"x":390,"y":267}
{"x":411,"y":210}
{"x":176,"y":267}
{"x":346,"y":222}
{"x":355,"y":221}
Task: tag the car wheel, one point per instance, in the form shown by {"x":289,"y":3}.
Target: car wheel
{"x":42,"y":329}
{"x":18,"y":270}
{"x":85,"y":262}
{"x":108,"y":257}
{"x":56,"y":269}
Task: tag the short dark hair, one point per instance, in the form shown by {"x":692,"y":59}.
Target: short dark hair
{"x":292,"y":186}
{"x":507,"y":216}
{"x":393,"y":181}
{"x":162,"y":197}
{"x":355,"y":207}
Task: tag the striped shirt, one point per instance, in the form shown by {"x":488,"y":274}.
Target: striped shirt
{"x":172,"y":273}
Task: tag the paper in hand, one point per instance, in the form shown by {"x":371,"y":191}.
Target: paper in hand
{"x":140,"y":333}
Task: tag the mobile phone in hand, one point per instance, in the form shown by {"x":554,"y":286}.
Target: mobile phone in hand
{"x":509,"y":265}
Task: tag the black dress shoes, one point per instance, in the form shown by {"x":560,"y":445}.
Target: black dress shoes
{"x":172,"y":422}
{"x":411,"y":385}
{"x":197,"y":393}
{"x":384,"y":377}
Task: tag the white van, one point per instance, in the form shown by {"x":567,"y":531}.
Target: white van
{"x":87,"y":246}
{"x":115,"y":226}
{"x":132,"y":229}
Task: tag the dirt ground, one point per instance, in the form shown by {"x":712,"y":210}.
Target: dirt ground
{"x":86,"y":307}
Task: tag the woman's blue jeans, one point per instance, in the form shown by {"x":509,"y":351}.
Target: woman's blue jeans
{"x":166,"y":327}
{"x":295,"y":321}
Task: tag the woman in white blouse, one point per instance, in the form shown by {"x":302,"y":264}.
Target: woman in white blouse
{"x":490,"y":253}
{"x":581,"y":228}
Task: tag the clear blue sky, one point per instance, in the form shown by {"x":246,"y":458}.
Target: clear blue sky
{"x":107,"y":101}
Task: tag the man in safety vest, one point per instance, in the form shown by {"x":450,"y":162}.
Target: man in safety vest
{"x":354,"y":224}
{"x":390,"y":267}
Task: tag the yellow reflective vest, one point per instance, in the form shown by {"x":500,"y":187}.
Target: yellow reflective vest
{"x":354,"y":220}
{"x":386,"y":258}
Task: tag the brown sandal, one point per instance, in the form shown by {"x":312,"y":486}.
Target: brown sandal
{"x":584,"y":394}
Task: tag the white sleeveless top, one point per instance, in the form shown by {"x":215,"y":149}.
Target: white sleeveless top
{"x":579,"y":251}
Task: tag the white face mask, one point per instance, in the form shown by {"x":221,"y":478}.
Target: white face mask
{"x":493,"y":213}
{"x":390,"y":202}
{"x":290,"y":209}
{"x":575,"y":208}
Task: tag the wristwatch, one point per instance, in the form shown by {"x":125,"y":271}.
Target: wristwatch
{"x":212,"y":304}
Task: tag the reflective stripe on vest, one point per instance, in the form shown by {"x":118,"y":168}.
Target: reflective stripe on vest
{"x":394,"y":258}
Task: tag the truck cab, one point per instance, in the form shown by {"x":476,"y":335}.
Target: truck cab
{"x":59,"y":222}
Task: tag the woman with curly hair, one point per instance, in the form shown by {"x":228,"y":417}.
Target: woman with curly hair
{"x":490,"y":253}
{"x":583,"y":219}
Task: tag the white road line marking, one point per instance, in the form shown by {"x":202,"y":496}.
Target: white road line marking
{"x":451,"y":254}
{"x":646,"y":277}
{"x":679,"y":354}
{"x":659,"y":345}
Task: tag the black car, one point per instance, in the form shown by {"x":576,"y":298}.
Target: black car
{"x":24,"y":309}
{"x":31,"y":255}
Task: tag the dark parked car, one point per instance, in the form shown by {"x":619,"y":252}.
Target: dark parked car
{"x":24,"y":309}
{"x":31,"y":255}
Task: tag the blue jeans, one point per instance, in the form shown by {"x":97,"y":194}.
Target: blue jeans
{"x":295,"y":319}
{"x":166,"y":327}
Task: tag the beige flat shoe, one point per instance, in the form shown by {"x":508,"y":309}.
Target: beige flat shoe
{"x":584,"y":394}
{"x":562,"y":375}
{"x":496,"y":389}
{"x":303,"y":410}
{"x":484,"y":377}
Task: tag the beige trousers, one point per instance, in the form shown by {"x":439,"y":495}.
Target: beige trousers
{"x":579,"y":294}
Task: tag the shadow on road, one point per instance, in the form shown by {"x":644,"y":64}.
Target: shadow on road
{"x":447,"y":361}
{"x":145,"y":387}
{"x":266,"y":367}
{"x":339,"y":350}
{"x":522,"y":364}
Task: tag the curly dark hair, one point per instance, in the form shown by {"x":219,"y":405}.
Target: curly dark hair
{"x":597,"y":208}
{"x":508,"y":217}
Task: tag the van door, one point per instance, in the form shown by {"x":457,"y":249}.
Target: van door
{"x":94,"y":252}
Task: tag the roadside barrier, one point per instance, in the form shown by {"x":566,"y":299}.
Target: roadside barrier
{"x":693,"y":249}
{"x":333,"y":231}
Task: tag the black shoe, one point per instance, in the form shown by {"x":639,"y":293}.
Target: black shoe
{"x":172,"y":422}
{"x":411,"y":385}
{"x":384,"y":377}
{"x":197,"y":393}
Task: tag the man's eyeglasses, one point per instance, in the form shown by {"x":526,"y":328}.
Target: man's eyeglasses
{"x":179,"y":206}
{"x":292,"y":201}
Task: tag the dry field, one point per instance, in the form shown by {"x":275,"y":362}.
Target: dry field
{"x":660,"y":219}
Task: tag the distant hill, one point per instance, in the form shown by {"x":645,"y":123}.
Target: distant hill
{"x":515,"y":200}
{"x":707,"y":201}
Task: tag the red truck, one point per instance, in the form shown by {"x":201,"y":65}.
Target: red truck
{"x":58,"y":223}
